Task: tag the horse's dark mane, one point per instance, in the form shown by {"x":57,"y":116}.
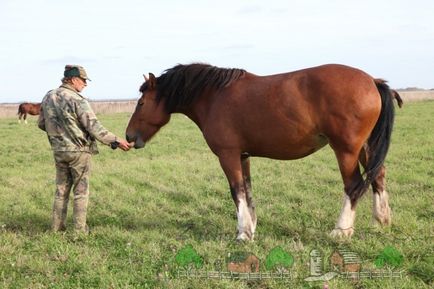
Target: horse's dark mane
{"x":180,"y":85}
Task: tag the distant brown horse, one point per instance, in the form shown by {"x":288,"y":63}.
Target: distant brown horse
{"x":285,"y":116}
{"x":28,"y":108}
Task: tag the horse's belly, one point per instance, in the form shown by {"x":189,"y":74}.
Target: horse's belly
{"x":287,"y":149}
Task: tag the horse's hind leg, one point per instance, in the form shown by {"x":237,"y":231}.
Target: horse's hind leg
{"x":380,"y":208}
{"x":25,"y":118}
{"x":231,"y":165}
{"x":380,"y":198}
{"x":351,"y":176}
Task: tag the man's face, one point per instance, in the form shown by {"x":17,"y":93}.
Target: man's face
{"x":78,"y":83}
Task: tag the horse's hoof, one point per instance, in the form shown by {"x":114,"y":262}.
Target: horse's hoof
{"x":342,"y":233}
{"x":383,"y":219}
{"x":243,"y":237}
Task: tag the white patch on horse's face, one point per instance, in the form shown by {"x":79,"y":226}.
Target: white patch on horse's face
{"x":245,"y":224}
{"x":380,"y":208}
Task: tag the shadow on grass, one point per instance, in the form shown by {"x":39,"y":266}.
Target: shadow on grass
{"x":29,"y":223}
{"x":171,"y":225}
{"x":168,"y":213}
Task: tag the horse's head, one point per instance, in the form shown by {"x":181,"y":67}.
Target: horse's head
{"x":150,"y":114}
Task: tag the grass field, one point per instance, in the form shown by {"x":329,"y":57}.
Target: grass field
{"x":147,"y":204}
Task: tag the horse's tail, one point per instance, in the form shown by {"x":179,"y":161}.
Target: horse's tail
{"x":379,"y":140}
{"x":20,"y":109}
{"x":397,"y":97}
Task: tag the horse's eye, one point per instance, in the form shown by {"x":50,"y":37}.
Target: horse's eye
{"x":141,"y":101}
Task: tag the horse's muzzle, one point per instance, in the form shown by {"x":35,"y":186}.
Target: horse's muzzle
{"x":139,"y":143}
{"x":137,"y":140}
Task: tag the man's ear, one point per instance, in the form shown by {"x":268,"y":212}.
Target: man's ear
{"x":152,"y":81}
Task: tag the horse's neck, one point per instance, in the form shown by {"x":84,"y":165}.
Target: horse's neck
{"x":197,"y":112}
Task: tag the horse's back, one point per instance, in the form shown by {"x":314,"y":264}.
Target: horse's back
{"x":328,"y":83}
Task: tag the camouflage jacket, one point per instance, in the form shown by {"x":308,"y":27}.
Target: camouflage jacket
{"x":70,"y":122}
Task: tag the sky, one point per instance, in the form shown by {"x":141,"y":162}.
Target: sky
{"x":119,"y":41}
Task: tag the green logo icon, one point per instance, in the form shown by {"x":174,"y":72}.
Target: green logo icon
{"x":278,"y":260}
{"x":389,"y":256}
{"x":187,"y":257}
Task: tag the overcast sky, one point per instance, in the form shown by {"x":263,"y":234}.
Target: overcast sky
{"x":117,"y":41}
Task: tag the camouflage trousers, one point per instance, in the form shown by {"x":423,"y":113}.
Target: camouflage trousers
{"x":72,"y":172}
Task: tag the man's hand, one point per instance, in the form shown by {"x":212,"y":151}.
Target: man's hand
{"x":122,"y":144}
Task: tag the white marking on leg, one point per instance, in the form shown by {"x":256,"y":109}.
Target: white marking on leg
{"x":344,"y":225}
{"x":245,"y":225}
{"x":254,"y":221}
{"x":380,"y":208}
{"x":348,"y":215}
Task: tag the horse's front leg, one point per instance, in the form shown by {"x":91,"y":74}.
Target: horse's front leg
{"x":352,"y":178}
{"x":245,"y":163}
{"x":231,"y":165}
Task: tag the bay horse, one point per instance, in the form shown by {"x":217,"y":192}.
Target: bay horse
{"x":284,"y":116}
{"x":28,"y":108}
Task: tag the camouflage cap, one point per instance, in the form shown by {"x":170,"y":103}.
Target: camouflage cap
{"x":75,"y":70}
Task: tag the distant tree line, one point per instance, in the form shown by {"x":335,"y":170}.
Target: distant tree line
{"x":413,"y":88}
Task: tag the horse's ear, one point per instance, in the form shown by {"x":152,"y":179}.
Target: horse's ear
{"x":146,"y":78}
{"x":152,"y":81}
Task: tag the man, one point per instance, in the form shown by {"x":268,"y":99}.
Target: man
{"x":72,"y":128}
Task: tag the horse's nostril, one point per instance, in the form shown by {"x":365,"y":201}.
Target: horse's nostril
{"x":128,"y":138}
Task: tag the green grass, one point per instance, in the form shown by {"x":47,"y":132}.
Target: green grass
{"x":147,"y":204}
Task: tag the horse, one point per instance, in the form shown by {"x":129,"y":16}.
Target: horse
{"x":283,"y":116}
{"x":28,"y":108}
